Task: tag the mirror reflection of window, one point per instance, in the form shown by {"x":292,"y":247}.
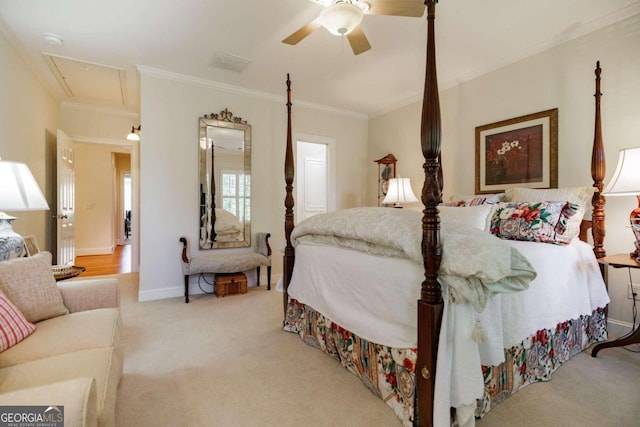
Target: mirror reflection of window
{"x":236,"y":194}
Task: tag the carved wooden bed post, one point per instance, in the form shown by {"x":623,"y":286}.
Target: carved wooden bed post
{"x":598,"y":169}
{"x":289,"y":253}
{"x":430,"y":305}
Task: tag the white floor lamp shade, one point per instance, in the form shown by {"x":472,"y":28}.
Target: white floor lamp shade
{"x":19,"y":191}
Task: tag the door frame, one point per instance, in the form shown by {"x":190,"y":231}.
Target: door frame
{"x":132,"y":147}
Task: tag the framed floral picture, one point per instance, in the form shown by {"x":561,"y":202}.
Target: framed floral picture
{"x":519,"y":152}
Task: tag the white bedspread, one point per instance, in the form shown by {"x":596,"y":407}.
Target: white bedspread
{"x":375,"y":297}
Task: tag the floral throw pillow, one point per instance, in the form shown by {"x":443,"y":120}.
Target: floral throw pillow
{"x":544,"y":222}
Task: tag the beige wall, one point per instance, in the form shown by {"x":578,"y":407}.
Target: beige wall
{"x":169,"y":200}
{"x":562,"y":77}
{"x":28,"y":123}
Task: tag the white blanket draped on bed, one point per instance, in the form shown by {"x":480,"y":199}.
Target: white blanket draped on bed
{"x":474,"y":265}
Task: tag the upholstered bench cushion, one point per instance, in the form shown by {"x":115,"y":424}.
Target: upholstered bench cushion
{"x":227,"y":263}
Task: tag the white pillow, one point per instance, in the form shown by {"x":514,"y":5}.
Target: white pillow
{"x":477,"y":199}
{"x":474,"y":216}
{"x":578,"y":195}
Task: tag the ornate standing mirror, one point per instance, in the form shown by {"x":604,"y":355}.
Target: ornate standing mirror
{"x":225,"y":181}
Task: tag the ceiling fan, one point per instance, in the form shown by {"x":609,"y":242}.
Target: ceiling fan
{"x":343,"y":18}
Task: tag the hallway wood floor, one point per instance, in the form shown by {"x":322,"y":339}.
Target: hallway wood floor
{"x":100,"y":265}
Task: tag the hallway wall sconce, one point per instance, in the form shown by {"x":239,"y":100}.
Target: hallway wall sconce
{"x":135,"y":133}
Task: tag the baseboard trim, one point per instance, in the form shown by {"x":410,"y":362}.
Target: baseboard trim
{"x":194,"y":287}
{"x":157,"y":294}
{"x":94,"y":251}
{"x":617,"y":328}
{"x":620,"y":323}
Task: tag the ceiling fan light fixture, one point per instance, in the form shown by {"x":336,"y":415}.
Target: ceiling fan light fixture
{"x":341,"y":18}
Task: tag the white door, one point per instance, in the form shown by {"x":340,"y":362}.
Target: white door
{"x":312,"y":179}
{"x":65,"y":207}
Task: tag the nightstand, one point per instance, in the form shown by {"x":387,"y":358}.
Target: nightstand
{"x":618,"y":261}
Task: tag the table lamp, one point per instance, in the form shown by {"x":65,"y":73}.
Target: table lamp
{"x":19,"y":191}
{"x":399,"y":191}
{"x":626,"y":182}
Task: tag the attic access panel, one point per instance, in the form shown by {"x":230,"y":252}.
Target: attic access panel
{"x":88,"y":81}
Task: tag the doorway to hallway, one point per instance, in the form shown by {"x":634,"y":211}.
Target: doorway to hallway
{"x":99,"y":265}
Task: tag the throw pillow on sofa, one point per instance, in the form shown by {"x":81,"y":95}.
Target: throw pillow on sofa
{"x":13,"y":326}
{"x":29,"y":284}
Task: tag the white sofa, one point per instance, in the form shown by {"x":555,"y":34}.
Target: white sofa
{"x":74,"y":357}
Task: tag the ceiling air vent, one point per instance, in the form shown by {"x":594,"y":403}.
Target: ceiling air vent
{"x":230,"y":62}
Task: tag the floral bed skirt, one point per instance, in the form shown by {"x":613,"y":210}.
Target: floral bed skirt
{"x":389,"y":373}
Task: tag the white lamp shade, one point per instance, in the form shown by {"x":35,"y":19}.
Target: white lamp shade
{"x":626,"y":178}
{"x":341,"y":18}
{"x":399,"y":191}
{"x":19,"y":190}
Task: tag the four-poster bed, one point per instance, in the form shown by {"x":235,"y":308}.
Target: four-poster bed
{"x":421,"y":361}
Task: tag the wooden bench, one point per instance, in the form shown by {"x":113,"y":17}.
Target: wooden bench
{"x":218,"y":262}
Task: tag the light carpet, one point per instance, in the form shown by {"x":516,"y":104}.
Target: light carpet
{"x":227,"y":362}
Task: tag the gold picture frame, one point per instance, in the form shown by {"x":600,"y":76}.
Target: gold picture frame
{"x":518,"y":152}
{"x":31,"y":245}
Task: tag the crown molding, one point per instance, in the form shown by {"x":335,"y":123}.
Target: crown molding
{"x":182,"y":78}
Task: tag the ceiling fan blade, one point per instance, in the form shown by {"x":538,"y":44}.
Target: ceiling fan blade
{"x":303,"y":32}
{"x":358,"y":41}
{"x":413,"y":8}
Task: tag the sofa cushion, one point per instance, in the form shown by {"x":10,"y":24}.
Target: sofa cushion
{"x":89,"y":294}
{"x":84,"y":330}
{"x":102,"y":364}
{"x":13,"y":326}
{"x":77,"y":396}
{"x":29,"y":284}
